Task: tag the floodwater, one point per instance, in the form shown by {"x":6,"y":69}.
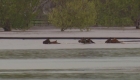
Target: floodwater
{"x":68,"y":44}
{"x":70,"y":60}
{"x":125,"y":68}
{"x":70,"y":64}
{"x":84,"y":64}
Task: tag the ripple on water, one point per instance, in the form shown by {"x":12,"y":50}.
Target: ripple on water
{"x":68,"y":53}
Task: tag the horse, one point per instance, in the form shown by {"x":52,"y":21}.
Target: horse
{"x":47,"y":41}
{"x":89,"y":41}
{"x":85,"y":41}
{"x":114,"y":40}
{"x":108,"y":40}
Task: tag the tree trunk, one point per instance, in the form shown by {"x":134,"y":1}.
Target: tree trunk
{"x":137,"y":24}
{"x":63,"y":29}
{"x":7,"y":26}
{"x":137,"y":27}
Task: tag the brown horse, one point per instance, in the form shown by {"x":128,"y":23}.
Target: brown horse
{"x":112,"y":40}
{"x":108,"y":40}
{"x":85,"y":41}
{"x":90,"y":41}
{"x":47,"y":41}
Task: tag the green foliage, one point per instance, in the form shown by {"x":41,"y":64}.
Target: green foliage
{"x":18,"y":13}
{"x":73,"y":14}
{"x":117,"y":12}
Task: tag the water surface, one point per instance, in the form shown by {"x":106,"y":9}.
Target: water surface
{"x":70,"y":64}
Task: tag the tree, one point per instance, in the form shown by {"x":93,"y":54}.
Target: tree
{"x":73,"y":14}
{"x":16,"y":14}
{"x":117,"y":12}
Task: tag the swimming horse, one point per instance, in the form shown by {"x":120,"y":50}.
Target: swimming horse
{"x":112,"y":40}
{"x":85,"y":41}
{"x":47,"y":41}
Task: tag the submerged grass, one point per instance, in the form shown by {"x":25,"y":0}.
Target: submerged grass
{"x":68,"y":53}
{"x":122,"y":76}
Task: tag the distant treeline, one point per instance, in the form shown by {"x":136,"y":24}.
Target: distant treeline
{"x":67,"y":14}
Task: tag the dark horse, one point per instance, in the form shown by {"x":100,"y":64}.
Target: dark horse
{"x":47,"y":41}
{"x":85,"y":41}
{"x":112,"y":40}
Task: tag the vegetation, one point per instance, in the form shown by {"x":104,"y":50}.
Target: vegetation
{"x":16,"y":14}
{"x":109,"y":13}
{"x":73,"y":14}
{"x":67,"y":14}
{"x":117,"y":12}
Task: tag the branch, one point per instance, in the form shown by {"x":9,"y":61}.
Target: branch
{"x":41,"y":4}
